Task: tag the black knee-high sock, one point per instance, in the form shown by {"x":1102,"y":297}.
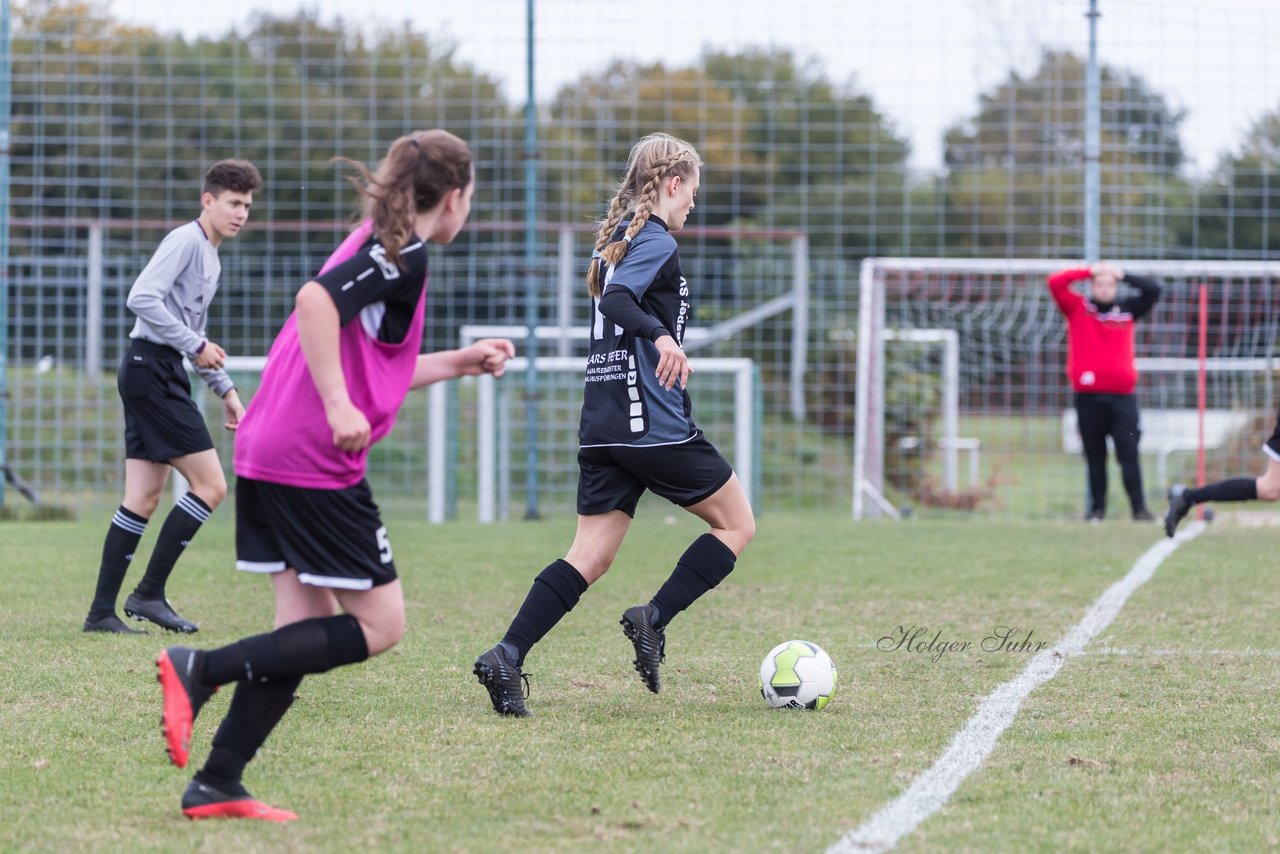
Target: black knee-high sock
{"x":256,"y":708}
{"x":554,"y":593}
{"x":309,"y":646}
{"x":179,"y":528}
{"x":1235,"y":489}
{"x":702,"y":566}
{"x":117,"y":552}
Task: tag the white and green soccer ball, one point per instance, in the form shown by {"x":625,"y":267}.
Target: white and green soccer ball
{"x":797,"y":675}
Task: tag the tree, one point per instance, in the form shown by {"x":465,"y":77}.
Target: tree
{"x":595,"y":120}
{"x":1015,"y":170}
{"x":1236,"y":213}
{"x":114,"y":121}
{"x":829,"y":161}
{"x":119,"y":123}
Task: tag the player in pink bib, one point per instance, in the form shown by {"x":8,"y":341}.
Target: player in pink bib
{"x":334,"y":382}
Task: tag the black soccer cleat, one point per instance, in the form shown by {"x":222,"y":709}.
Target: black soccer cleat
{"x":1179,"y":507}
{"x":157,"y":611}
{"x":109,"y":623}
{"x":1143,"y":515}
{"x":502,"y":677}
{"x":183,"y":695}
{"x":650,"y":643}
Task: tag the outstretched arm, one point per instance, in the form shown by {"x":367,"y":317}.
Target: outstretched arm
{"x":486,"y":356}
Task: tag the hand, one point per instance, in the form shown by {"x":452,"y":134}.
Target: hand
{"x":212,"y":356}
{"x":487,"y":356}
{"x":234,"y":408}
{"x":350,"y":427}
{"x":673,"y":364}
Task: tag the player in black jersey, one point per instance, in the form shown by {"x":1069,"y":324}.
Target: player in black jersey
{"x":637,"y":430}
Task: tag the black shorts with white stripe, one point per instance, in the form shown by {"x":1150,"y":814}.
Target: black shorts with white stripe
{"x":330,"y":537}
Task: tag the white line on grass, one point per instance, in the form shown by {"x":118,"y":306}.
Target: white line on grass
{"x":977,"y":738}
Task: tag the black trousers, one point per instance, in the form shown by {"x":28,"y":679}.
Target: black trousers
{"x":1116,"y":415}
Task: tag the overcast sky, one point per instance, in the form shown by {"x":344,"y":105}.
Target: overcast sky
{"x":923,"y":61}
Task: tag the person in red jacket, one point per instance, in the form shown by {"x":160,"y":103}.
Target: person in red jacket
{"x":1100,"y":366}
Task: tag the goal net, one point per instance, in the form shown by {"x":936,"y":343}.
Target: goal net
{"x":963,"y":403}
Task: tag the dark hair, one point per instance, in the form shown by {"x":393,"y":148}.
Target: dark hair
{"x":238,"y":176}
{"x":419,"y":170}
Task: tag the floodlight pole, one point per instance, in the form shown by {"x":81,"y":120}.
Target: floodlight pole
{"x":531,"y":270}
{"x":1092,"y":140}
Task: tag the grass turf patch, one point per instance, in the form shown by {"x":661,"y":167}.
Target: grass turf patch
{"x":404,"y":753}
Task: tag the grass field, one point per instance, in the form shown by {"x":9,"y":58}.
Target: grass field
{"x":1164,"y":736}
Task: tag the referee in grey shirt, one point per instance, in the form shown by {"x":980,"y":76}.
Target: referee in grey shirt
{"x":163,"y":426}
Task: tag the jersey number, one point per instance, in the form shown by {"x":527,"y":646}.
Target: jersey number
{"x":384,"y":545}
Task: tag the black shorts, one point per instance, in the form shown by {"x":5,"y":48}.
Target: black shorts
{"x":613,"y":477}
{"x":331,"y":537}
{"x":161,"y":421}
{"x":1272,"y":446}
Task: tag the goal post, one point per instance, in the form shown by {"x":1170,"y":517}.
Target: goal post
{"x":1206,"y":352}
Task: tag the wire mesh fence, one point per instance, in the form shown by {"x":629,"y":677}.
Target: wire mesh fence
{"x":959,"y":135}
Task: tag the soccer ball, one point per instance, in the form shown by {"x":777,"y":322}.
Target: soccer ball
{"x":797,"y":675}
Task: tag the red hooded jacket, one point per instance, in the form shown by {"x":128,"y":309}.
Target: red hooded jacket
{"x":1100,"y":356}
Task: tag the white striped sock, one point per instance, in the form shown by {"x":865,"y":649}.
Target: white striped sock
{"x":133,"y":526}
{"x":194,"y":508}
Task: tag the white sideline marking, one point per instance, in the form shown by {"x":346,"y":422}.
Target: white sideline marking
{"x":977,"y":738}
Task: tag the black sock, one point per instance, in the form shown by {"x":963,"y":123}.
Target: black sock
{"x":554,"y":593}
{"x":1235,"y":489}
{"x":117,"y":552}
{"x":179,"y":528}
{"x":309,"y":646}
{"x":702,"y":566}
{"x":256,"y":708}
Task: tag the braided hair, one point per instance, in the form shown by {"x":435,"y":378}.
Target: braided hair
{"x":653,"y":159}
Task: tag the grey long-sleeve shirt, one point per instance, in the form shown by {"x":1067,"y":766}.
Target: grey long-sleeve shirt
{"x":172,"y":294}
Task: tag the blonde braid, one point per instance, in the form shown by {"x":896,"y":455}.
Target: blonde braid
{"x":595,"y":272}
{"x":612,"y":253}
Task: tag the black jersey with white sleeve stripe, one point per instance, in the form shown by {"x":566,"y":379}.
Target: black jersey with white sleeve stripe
{"x":370,"y":286}
{"x":623,"y":403}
